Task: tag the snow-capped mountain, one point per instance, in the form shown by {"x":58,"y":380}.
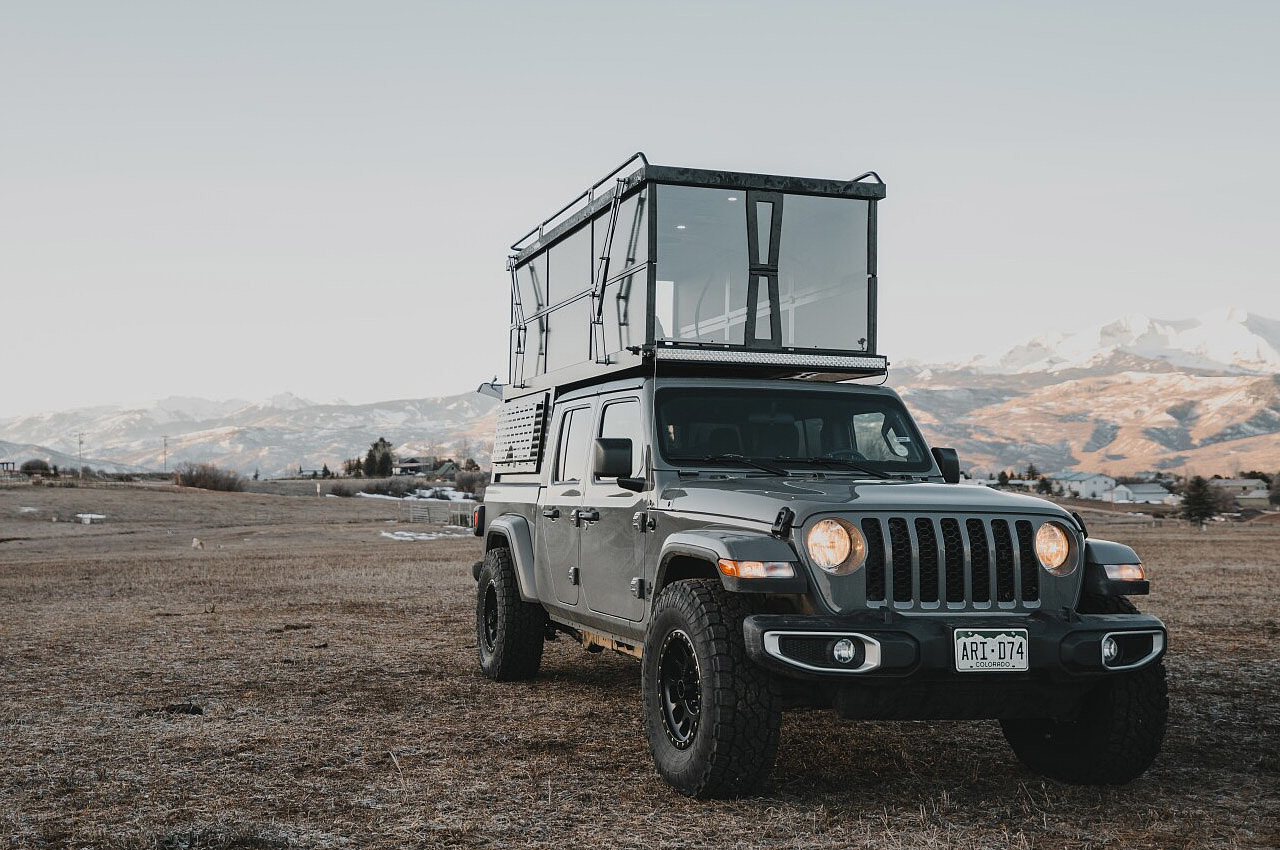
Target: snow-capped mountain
{"x":1225,"y":340}
{"x":1199,"y":395}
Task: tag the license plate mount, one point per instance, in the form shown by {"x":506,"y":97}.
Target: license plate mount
{"x":991,"y":651}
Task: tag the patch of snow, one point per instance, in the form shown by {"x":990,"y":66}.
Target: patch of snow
{"x":28,"y":510}
{"x":422,"y":535}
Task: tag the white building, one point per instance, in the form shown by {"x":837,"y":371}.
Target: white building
{"x":1147,"y":494}
{"x":1086,"y":485}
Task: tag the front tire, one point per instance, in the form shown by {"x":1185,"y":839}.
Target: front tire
{"x":1117,"y":732}
{"x":509,"y":631}
{"x":712,"y":717}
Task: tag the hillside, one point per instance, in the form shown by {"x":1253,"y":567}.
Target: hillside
{"x":1193,"y":395}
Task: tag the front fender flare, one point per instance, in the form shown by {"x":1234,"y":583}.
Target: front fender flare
{"x":514,"y":532}
{"x":735,"y":544}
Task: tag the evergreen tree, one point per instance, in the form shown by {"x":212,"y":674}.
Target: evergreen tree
{"x":1032,"y":473}
{"x":1003,"y":478}
{"x":1043,"y":486}
{"x":1274,"y":498}
{"x":324,"y":471}
{"x":371,"y":462}
{"x":1199,"y":502}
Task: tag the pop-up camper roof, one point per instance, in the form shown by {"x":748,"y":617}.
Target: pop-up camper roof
{"x":675,"y":269}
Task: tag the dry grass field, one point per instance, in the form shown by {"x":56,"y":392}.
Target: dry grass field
{"x":305,"y":681}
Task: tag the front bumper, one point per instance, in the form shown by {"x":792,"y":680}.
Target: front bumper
{"x":922,"y":648}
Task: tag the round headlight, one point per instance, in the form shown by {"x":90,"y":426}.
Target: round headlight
{"x":1053,"y":548}
{"x":836,"y":547}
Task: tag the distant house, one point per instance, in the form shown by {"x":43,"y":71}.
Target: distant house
{"x":1248,"y":492}
{"x":1239,"y":486}
{"x":414,"y":466}
{"x":1146,"y":494}
{"x":1086,"y":485}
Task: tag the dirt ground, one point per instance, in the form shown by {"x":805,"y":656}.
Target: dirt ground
{"x":305,"y":681}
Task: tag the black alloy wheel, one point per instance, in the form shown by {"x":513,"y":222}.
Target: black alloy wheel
{"x":680,"y":684}
{"x":491,"y":616}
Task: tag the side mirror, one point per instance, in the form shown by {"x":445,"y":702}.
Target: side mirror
{"x":635,"y":485}
{"x":612,"y":457}
{"x":949,"y":464}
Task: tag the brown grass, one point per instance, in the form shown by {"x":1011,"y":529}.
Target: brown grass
{"x":339,"y":705}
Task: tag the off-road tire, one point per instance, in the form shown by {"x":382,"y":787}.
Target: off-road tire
{"x":509,"y":631}
{"x":735,"y":734}
{"x":1117,"y":732}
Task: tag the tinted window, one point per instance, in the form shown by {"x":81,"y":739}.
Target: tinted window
{"x":571,"y":458}
{"x":622,"y":419}
{"x":570,"y":266}
{"x":871,"y":430}
{"x":704,"y":262}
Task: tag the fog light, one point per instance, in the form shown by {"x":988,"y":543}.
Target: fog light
{"x":1110,"y":650}
{"x":844,"y":651}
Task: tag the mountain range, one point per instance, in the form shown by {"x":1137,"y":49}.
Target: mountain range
{"x":1198,"y":396}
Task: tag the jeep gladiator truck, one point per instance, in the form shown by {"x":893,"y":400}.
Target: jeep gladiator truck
{"x":687,"y":471}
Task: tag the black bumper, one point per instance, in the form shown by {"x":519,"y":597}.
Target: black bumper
{"x":922,"y":649}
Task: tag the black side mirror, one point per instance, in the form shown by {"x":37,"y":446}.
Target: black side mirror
{"x":949,"y":464}
{"x":635,"y":485}
{"x":612,"y":457}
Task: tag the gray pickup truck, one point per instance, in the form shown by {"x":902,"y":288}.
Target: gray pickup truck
{"x":699,"y":481}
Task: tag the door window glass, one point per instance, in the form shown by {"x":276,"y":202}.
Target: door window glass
{"x":575,"y":431}
{"x":622,"y":419}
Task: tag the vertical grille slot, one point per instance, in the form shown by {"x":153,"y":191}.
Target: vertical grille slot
{"x":1030,"y":563}
{"x":953,"y":547}
{"x":1004,"y":560}
{"x":875,"y":560}
{"x":927,"y":540}
{"x":981,"y":552}
{"x":900,"y":541}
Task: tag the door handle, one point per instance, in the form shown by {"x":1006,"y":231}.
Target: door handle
{"x":551,"y":513}
{"x":588,"y":515}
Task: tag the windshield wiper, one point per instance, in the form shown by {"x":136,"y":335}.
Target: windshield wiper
{"x":735,"y":458}
{"x":823,"y":460}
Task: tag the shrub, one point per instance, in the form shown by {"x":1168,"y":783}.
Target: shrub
{"x":206,"y":476}
{"x":343,"y":490}
{"x":35,"y":466}
{"x":471,"y":481}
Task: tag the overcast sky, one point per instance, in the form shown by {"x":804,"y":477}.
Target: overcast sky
{"x":239,"y":199}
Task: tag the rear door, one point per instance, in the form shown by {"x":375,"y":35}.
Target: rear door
{"x":612,"y":547}
{"x":558,"y":536}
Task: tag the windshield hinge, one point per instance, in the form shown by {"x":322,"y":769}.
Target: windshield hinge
{"x":782,"y":524}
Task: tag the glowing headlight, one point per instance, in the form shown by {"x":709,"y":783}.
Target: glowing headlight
{"x":1053,"y":548}
{"x":837,"y":547}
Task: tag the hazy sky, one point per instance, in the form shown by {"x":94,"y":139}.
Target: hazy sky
{"x":238,"y":199}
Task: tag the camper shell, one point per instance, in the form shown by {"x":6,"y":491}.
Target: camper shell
{"x":694,"y":270}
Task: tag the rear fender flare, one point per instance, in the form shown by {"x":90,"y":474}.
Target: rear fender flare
{"x":513,"y":532}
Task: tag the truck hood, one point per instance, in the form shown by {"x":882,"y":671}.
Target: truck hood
{"x":758,"y":498}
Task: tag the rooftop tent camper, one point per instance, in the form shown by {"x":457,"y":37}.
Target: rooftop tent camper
{"x":750,"y":273}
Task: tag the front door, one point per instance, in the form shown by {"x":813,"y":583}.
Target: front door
{"x":612,"y":539}
{"x":558,"y":529}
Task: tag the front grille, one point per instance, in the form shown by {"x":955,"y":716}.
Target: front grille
{"x":950,"y":563}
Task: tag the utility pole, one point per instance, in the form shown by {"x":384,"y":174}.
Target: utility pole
{"x":80,"y":451}
{"x":166,"y":454}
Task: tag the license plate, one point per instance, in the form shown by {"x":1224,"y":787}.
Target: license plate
{"x":991,"y":649}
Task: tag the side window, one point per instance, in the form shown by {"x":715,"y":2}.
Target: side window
{"x":622,"y":419}
{"x":571,"y":455}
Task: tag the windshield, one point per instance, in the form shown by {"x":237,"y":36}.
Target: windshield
{"x":830,"y":431}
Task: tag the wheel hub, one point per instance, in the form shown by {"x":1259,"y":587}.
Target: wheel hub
{"x":490,"y":617}
{"x":679,"y":689}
